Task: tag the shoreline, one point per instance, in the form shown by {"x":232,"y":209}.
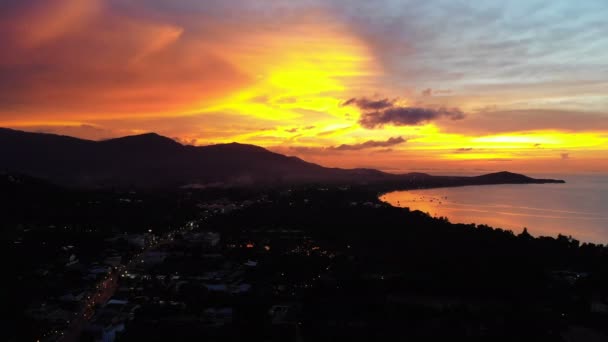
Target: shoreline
{"x":521,"y":208}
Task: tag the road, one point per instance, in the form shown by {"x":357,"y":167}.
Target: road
{"x":105,"y":289}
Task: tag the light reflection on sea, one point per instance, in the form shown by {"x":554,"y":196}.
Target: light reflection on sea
{"x":578,"y":208}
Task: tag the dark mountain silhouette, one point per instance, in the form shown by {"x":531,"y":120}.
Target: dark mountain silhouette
{"x":151,"y":160}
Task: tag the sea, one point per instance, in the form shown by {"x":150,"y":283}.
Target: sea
{"x":578,"y":208}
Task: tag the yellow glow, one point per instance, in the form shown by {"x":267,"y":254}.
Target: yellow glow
{"x":516,"y":139}
{"x":480,"y":156}
{"x":301,"y":80}
{"x":552,"y":139}
{"x":303,"y":69}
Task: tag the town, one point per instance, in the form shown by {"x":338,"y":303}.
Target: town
{"x":292,"y":265}
{"x":193,"y":279}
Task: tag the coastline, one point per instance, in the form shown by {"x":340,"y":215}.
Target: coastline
{"x":432,"y":183}
{"x":576,"y":210}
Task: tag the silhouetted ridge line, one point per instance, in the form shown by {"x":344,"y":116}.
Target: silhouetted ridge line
{"x":152,"y":160}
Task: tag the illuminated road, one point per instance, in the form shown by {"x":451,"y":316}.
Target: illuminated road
{"x":106,"y":288}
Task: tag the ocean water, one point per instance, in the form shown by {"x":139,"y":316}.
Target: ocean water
{"x":578,"y":208}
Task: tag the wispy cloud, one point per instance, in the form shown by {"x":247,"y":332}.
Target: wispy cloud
{"x":382,"y":146}
{"x":369,"y":144}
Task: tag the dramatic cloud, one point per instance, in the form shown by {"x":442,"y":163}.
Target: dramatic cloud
{"x":71,"y":58}
{"x":377,"y":113}
{"x":407,"y":116}
{"x":369,"y":144}
{"x":80,"y":60}
{"x":367,"y":104}
{"x":530,"y":76}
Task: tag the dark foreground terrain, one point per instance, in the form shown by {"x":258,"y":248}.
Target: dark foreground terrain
{"x":309,"y":263}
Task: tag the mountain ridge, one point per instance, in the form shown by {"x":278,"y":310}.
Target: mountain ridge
{"x":152,"y":160}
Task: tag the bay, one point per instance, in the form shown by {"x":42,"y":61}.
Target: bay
{"x":578,"y":208}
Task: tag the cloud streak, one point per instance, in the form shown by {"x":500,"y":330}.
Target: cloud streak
{"x":369,"y":144}
{"x":377,"y":146}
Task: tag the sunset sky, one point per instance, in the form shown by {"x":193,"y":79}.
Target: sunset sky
{"x":436,"y":85}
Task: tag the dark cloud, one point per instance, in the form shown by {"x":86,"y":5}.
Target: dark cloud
{"x":367,"y":104}
{"x":565,"y":156}
{"x":368,"y":144}
{"x":377,"y":113}
{"x":427,"y":92}
{"x":382,"y":147}
{"x":407,"y":116}
{"x":464,"y":149}
{"x":291,"y":130}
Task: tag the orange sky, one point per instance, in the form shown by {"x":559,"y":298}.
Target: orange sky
{"x":492,"y":95}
